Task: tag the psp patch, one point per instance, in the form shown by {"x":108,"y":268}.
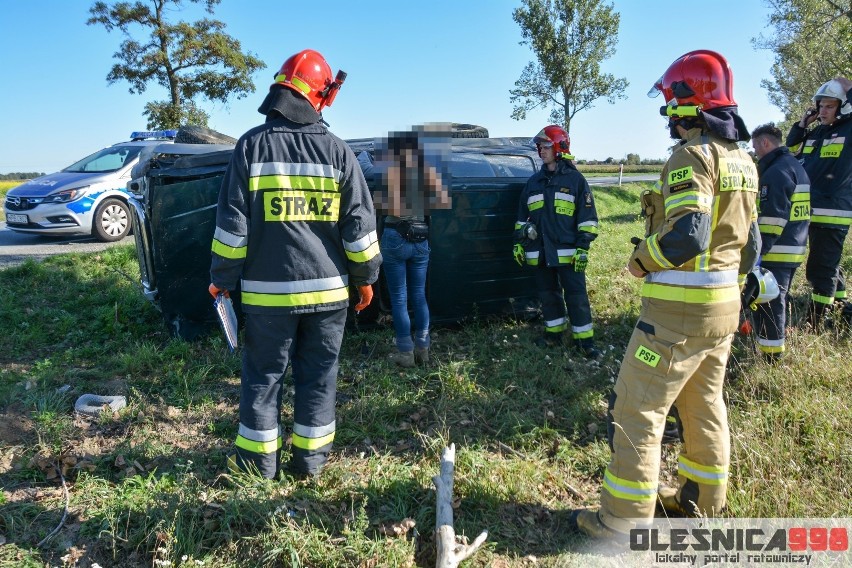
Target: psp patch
{"x":647,"y":356}
{"x":589,"y":199}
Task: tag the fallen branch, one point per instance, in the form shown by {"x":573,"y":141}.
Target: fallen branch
{"x":64,"y":512}
{"x":450,"y":552}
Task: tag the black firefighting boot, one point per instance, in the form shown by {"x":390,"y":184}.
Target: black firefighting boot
{"x":590,"y":352}
{"x":549,"y":340}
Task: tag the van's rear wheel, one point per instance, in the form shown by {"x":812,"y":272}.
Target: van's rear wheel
{"x":112,"y":220}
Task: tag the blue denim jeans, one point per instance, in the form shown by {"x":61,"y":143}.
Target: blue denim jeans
{"x":405,"y":265}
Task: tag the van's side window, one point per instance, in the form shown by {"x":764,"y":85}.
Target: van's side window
{"x":491,"y":165}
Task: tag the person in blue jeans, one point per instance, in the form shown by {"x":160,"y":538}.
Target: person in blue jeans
{"x":410,"y":188}
{"x":405,"y":265}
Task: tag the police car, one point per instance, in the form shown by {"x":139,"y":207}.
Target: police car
{"x":89,"y":197}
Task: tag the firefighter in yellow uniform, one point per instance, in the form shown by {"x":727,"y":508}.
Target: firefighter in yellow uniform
{"x":700,"y":236}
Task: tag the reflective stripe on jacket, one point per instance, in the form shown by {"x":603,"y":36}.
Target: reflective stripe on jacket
{"x":785,"y":209}
{"x":295,"y":221}
{"x":562,"y":207}
{"x":826,"y":154}
{"x":708,"y":177}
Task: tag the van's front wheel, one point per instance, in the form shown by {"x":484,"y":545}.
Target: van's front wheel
{"x":112,"y":220}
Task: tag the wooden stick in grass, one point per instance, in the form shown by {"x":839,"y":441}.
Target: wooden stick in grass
{"x":450,"y":552}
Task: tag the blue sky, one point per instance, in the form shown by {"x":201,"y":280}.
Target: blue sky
{"x":408,"y":62}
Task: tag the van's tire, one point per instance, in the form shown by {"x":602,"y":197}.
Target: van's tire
{"x":469,"y":131}
{"x":112,"y":221}
{"x":200,"y":135}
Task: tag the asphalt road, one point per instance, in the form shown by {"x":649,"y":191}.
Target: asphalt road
{"x":15,"y":248}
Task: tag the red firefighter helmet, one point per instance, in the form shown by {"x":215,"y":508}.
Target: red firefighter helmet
{"x":700,"y":78}
{"x":557,"y":137}
{"x":309,"y":74}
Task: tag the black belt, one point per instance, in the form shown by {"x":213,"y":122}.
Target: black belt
{"x":395,"y":226}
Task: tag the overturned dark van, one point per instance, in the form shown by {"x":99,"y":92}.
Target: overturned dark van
{"x":471,"y":271}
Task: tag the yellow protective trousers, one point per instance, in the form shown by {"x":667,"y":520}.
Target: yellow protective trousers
{"x":661,"y":368}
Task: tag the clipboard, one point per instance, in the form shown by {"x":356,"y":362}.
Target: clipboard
{"x":227,"y":319}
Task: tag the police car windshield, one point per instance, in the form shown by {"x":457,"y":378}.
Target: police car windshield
{"x":107,"y":160}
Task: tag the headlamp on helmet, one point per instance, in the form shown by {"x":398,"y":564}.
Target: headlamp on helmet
{"x":554,"y":136}
{"x":308,"y":74}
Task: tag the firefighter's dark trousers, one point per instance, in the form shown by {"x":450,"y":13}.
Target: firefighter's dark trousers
{"x":822,"y":269}
{"x":661,"y":368}
{"x":310,"y":344}
{"x":770,"y":318}
{"x":559,"y":287}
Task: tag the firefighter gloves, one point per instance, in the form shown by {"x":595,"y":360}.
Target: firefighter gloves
{"x":581,"y":260}
{"x":214,"y":291}
{"x":518,"y":252}
{"x":365,"y":296}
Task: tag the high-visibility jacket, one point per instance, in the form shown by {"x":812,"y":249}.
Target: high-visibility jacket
{"x":784,"y":210}
{"x":697,"y":224}
{"x":826,"y":154}
{"x":295,"y":220}
{"x":562,"y":207}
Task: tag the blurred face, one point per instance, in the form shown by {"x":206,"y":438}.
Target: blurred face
{"x":828,"y":110}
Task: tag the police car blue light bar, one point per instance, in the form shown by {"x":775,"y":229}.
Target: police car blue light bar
{"x":141,"y":135}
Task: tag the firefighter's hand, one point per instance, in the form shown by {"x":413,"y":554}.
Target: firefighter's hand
{"x":635,"y":271}
{"x":365,"y":296}
{"x":214,"y":291}
{"x":518,"y":253}
{"x":581,"y":260}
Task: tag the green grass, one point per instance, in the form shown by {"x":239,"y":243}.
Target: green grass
{"x":146,"y":485}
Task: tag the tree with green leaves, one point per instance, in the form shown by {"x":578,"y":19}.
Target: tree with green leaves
{"x":570,"y":39}
{"x":812,"y":42}
{"x":190,"y":60}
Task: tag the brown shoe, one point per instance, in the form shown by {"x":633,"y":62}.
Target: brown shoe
{"x":403,"y":358}
{"x":589,"y":523}
{"x":667,"y":500}
{"x":421,"y":355}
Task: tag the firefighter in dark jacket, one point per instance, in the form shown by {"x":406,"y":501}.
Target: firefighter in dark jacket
{"x":826,"y":153}
{"x":295,"y":226}
{"x":784,"y":216}
{"x":557,"y":223}
{"x":700,"y":235}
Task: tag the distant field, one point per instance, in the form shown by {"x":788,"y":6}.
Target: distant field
{"x":615,"y":168}
{"x":6,"y":185}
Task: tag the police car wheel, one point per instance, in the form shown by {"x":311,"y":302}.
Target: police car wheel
{"x":112,"y":220}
